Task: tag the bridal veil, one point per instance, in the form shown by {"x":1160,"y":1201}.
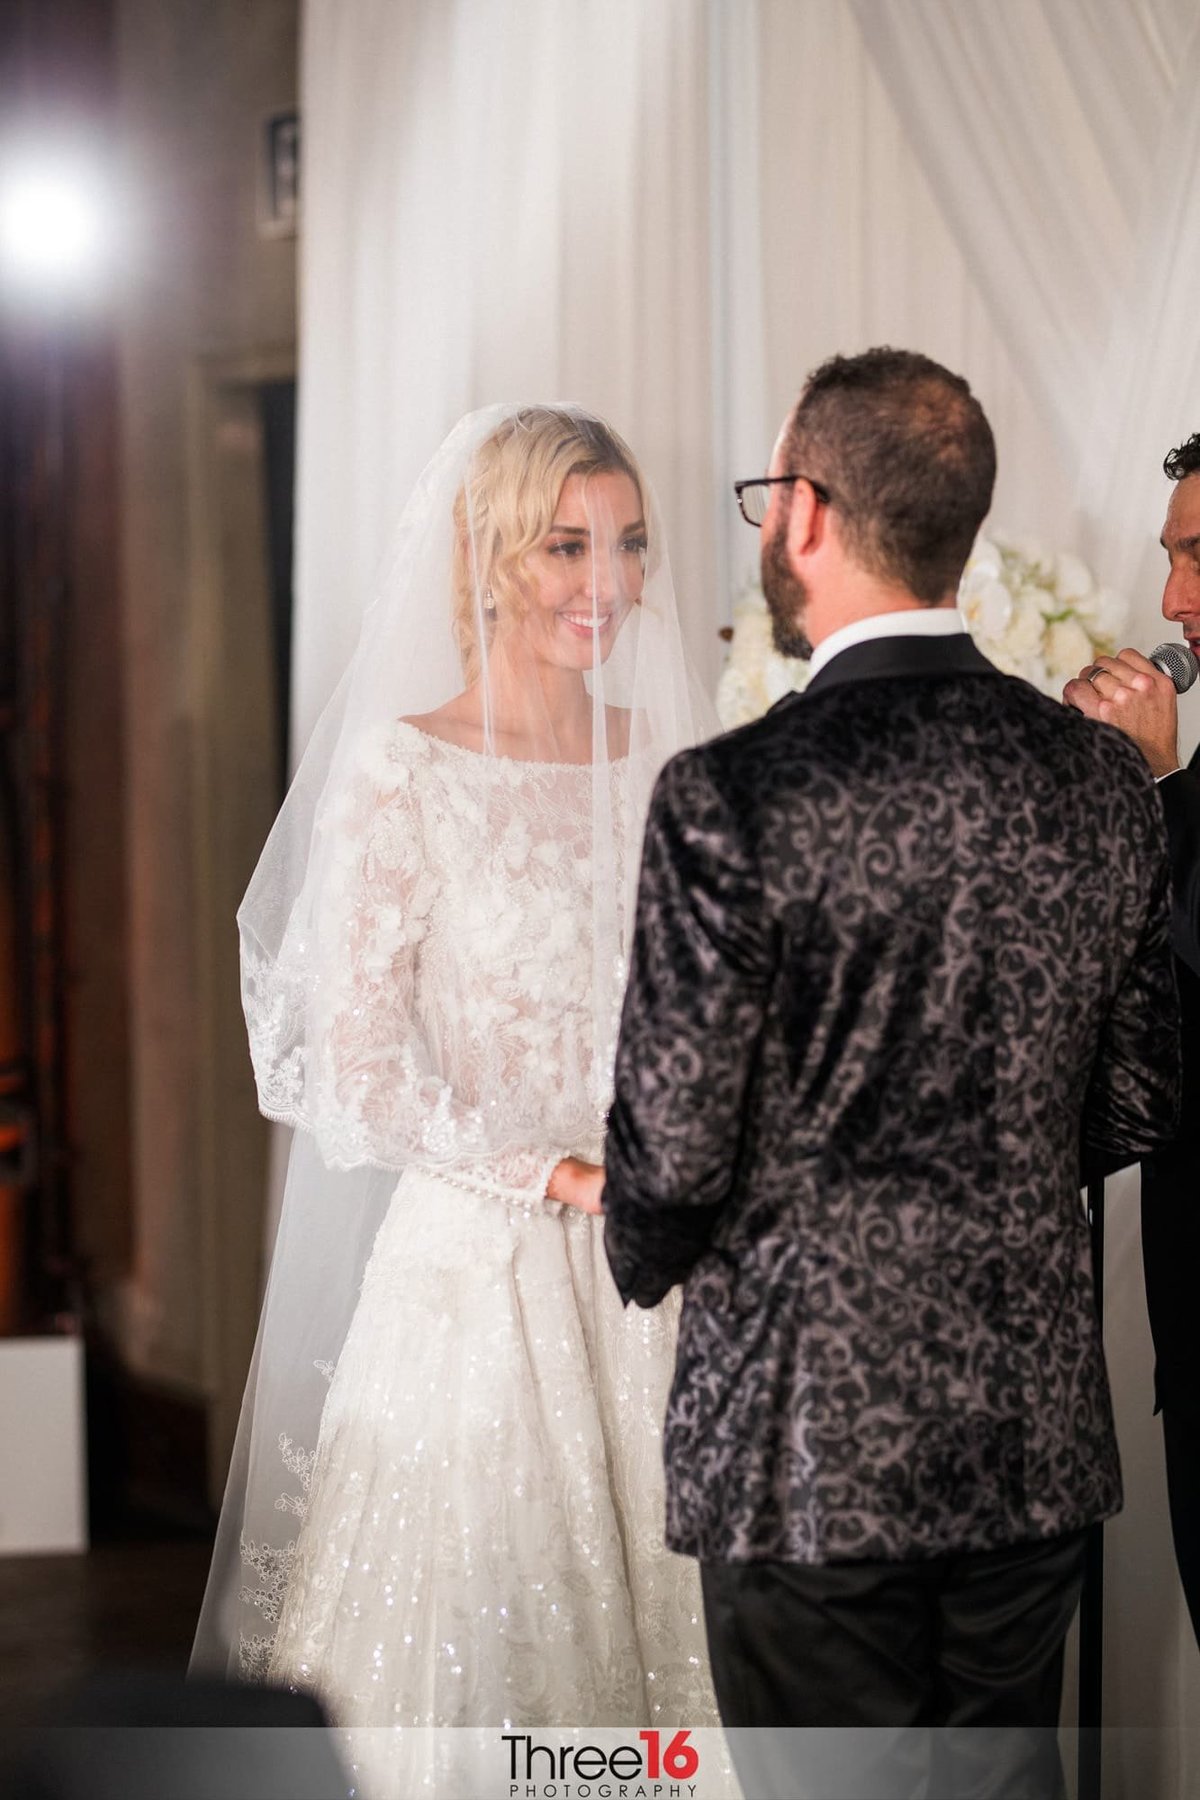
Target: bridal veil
{"x":525,"y":615}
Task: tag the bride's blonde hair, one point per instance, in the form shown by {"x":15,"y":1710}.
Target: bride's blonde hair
{"x":506,"y":506}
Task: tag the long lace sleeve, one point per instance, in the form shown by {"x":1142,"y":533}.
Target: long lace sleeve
{"x":363,"y":1076}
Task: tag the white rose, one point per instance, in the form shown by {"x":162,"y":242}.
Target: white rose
{"x":733,"y":700}
{"x":1105,"y":612}
{"x":1036,"y":672}
{"x":741,"y":695}
{"x":1007,"y":665}
{"x":983,"y":564}
{"x":1068,"y":648}
{"x":760,"y":699}
{"x":751,"y":605}
{"x":753,"y":639}
{"x":992,"y":607}
{"x":1072,"y":577}
{"x":1027,"y":550}
{"x":783,"y":675}
{"x":1023,"y":637}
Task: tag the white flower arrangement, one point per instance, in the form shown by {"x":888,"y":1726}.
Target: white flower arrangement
{"x":1034,"y":613}
{"x":755,"y":676}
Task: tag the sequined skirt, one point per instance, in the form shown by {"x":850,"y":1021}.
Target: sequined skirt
{"x":483,"y":1540}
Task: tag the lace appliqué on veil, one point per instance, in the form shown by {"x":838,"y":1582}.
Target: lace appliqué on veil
{"x":273,"y":1566}
{"x":300,"y":1463}
{"x":273,"y":1563}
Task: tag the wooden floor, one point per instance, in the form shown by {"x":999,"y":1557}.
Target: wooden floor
{"x":125,"y":1604}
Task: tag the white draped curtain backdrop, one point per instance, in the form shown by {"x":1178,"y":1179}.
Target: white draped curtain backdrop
{"x":670,"y":210}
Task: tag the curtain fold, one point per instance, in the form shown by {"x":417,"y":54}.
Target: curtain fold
{"x":1147,"y":390}
{"x":742,"y":428}
{"x":1009,"y":139}
{"x":1062,"y":138}
{"x":1117,"y":58}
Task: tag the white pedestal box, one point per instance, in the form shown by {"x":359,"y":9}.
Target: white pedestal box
{"x":43,"y":1480}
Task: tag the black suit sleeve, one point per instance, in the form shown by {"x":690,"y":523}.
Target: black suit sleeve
{"x":1180,"y":796}
{"x":690,"y":1033}
{"x":1133,"y":1101}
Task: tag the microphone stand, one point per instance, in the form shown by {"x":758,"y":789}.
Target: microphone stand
{"x":1091,"y":1603}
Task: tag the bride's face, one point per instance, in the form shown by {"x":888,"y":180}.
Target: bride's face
{"x":587,"y":572}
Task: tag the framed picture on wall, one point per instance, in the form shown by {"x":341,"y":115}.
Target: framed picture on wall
{"x":279,"y":213}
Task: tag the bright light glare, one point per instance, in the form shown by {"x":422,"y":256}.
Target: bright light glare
{"x":51,"y":226}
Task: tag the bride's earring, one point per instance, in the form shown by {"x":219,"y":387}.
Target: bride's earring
{"x":489,"y":600}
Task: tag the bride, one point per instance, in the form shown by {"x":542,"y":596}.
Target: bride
{"x":445,"y":1505}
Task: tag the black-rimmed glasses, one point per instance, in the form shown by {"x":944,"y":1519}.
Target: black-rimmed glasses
{"x":753,"y":497}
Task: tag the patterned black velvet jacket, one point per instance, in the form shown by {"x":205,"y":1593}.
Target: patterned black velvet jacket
{"x":901,"y":951}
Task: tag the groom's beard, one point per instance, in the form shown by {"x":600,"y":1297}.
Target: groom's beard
{"x":786,"y":597}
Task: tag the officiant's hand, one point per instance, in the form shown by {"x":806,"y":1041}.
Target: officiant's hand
{"x":1129,"y":692}
{"x":577,"y":1183}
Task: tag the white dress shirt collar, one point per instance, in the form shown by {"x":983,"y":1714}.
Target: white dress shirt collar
{"x":925,"y":621}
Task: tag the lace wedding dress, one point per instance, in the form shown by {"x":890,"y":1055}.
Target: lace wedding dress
{"x":482,"y":1532}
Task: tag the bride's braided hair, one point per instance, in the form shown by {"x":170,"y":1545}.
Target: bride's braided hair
{"x":506,"y":506}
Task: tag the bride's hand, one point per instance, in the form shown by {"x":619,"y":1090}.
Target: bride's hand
{"x":577,"y":1183}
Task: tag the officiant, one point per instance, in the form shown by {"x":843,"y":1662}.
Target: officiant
{"x":1129,"y":692}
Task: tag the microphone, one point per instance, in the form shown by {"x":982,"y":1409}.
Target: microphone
{"x":1178,"y":663}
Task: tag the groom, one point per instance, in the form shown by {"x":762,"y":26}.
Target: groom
{"x":901,"y":955}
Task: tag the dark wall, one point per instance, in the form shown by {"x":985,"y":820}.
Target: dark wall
{"x":60,"y":601}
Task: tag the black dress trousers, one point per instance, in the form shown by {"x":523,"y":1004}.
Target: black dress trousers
{"x":905,"y":1679}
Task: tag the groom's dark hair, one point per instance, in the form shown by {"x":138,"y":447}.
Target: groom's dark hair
{"x":1179,"y":464}
{"x":909,"y":460}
